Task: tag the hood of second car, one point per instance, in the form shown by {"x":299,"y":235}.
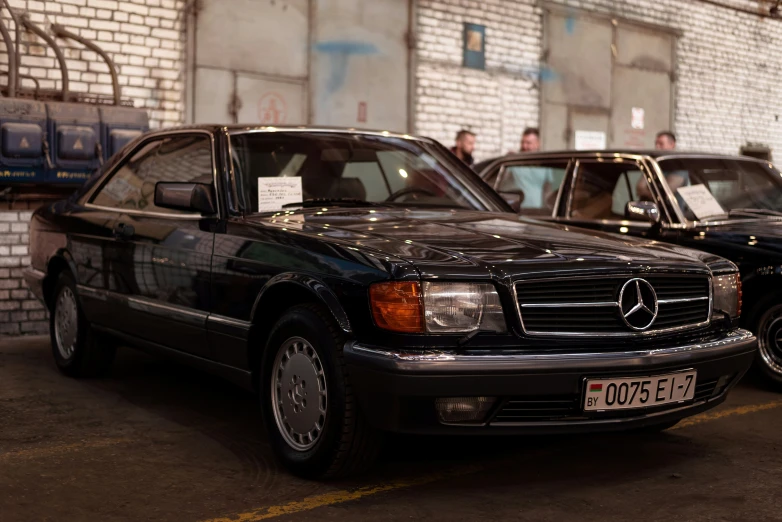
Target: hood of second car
{"x":455,"y":242}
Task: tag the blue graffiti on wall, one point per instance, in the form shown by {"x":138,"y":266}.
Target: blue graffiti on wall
{"x":340,"y":52}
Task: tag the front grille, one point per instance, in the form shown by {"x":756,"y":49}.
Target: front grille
{"x":590,"y":306}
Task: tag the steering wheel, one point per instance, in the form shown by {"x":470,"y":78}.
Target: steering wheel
{"x":410,"y":190}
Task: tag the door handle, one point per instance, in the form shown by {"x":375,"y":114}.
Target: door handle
{"x":123,"y":231}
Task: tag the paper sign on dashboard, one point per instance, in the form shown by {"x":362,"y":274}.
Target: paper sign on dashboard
{"x":273,"y":193}
{"x":700,"y":201}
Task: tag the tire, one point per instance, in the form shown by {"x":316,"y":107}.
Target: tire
{"x":78,"y":351}
{"x":306,"y":386}
{"x":768,"y":328}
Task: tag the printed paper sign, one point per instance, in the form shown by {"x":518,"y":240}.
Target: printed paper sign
{"x":590,"y":140}
{"x":700,"y":201}
{"x":273,"y":193}
{"x":637,"y":121}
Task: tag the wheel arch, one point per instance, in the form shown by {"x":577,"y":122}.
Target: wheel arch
{"x":60,"y":262}
{"x":280,"y":294}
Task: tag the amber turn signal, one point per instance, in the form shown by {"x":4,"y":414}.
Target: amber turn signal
{"x":397,"y":306}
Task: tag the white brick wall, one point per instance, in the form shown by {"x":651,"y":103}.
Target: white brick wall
{"x":727,"y":86}
{"x":145,"y":38}
{"x":20,"y":311}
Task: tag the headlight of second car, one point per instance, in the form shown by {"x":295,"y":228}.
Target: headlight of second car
{"x":436,"y":307}
{"x":727,"y":295}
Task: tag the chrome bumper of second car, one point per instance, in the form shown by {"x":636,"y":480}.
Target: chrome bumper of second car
{"x":438,"y":362}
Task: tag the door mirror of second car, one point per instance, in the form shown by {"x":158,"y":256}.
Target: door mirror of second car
{"x":643,"y":211}
{"x":514,"y":199}
{"x":190,"y":197}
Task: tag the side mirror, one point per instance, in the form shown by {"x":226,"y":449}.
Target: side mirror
{"x":643,"y":211}
{"x":514,"y":199}
{"x":191,"y":197}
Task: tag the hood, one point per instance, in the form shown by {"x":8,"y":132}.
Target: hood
{"x":456,"y":243}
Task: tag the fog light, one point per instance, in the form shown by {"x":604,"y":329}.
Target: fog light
{"x":722,"y":383}
{"x":463,"y":409}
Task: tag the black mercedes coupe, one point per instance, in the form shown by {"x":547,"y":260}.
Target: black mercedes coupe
{"x":363,"y":283}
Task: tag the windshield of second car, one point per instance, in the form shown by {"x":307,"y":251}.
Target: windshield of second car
{"x":273,"y":170}
{"x":710,"y":187}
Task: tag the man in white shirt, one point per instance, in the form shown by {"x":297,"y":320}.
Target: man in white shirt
{"x":535,"y":182}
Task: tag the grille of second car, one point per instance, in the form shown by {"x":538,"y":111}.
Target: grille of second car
{"x":589,"y":305}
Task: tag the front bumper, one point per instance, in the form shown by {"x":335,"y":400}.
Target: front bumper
{"x":397,"y":390}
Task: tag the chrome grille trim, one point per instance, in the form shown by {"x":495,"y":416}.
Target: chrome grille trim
{"x":612,"y":304}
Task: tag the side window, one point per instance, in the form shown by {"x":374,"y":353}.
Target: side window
{"x":602,"y":190}
{"x":183,"y":158}
{"x":631,"y":186}
{"x":537,"y":185}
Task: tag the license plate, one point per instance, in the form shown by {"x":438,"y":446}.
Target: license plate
{"x":626,"y":393}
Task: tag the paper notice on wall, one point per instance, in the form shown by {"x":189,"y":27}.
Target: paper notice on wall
{"x":273,"y":193}
{"x":590,"y":140}
{"x":700,"y":201}
{"x":637,"y":118}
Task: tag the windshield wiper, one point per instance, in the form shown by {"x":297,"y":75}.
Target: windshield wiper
{"x":340,"y":202}
{"x":754,"y":212}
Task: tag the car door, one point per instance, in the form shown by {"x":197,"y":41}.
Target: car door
{"x":599,"y":191}
{"x":531,"y":187}
{"x":161,"y":267}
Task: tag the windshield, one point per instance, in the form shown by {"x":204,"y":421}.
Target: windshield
{"x":277,"y":169}
{"x":711,"y":187}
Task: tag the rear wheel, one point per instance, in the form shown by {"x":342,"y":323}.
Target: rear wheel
{"x":78,"y":351}
{"x":769,"y":332}
{"x":308,"y":403}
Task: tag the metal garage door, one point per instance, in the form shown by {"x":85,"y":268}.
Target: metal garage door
{"x":291,"y":62}
{"x":607,"y":81}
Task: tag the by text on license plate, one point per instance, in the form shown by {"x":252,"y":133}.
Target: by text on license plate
{"x":639,"y":392}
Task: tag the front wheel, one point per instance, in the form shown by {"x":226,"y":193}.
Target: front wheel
{"x":78,"y":351}
{"x":308,"y":403}
{"x":769,"y":332}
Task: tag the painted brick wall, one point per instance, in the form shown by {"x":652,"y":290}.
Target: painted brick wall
{"x":20,"y":312}
{"x":145,"y":38}
{"x":728,"y":89}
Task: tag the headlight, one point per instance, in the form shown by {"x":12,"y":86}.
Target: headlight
{"x":727,"y":295}
{"x":443,"y":307}
{"x":462,"y":307}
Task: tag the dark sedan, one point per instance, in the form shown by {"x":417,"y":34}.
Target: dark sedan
{"x":366,"y":282}
{"x":730,"y":206}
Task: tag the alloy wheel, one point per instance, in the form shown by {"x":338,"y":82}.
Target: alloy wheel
{"x":66,"y":320}
{"x":299,"y":395}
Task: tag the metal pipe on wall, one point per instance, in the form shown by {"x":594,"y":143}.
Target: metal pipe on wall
{"x":18,"y":42}
{"x":12,"y":57}
{"x":62,"y":32}
{"x":57,"y":51}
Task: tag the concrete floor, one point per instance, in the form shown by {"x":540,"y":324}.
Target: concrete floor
{"x":157,"y":441}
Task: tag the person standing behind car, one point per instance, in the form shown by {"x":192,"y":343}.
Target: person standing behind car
{"x":465,"y":145}
{"x":535,"y":183}
{"x":666,"y":140}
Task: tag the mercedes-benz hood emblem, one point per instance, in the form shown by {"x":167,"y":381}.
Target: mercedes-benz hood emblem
{"x":638,"y":304}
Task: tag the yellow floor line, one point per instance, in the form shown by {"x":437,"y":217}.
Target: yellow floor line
{"x":739,"y":410}
{"x":57,"y":450}
{"x":341,"y":496}
{"x":338,"y":497}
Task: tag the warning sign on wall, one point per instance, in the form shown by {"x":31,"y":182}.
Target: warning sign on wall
{"x":272,"y":109}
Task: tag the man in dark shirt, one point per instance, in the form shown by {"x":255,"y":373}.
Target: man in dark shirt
{"x":465,"y":145}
